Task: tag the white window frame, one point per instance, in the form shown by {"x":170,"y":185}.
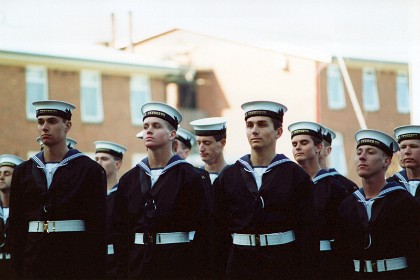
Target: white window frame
{"x":402,"y":92}
{"x":92,"y":80}
{"x":337,"y":158}
{"x":140,"y":86}
{"x":40,"y":79}
{"x":335,"y":88}
{"x":137,"y":157}
{"x":370,"y":90}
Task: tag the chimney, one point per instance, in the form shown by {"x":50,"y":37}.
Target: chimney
{"x":112,"y":43}
{"x":130,"y":31}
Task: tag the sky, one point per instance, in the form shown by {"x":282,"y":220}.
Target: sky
{"x":383,"y":29}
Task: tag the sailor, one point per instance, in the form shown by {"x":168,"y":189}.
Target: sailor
{"x":57,"y":205}
{"x":408,"y":137}
{"x":264,"y":202}
{"x":211,"y":139}
{"x":110,"y":155}
{"x":328,"y":191}
{"x":161,"y":210}
{"x":7,"y":165}
{"x":327,"y":137}
{"x":184,"y":141}
{"x":380,"y":221}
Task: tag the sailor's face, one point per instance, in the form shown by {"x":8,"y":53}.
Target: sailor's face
{"x":52,"y":129}
{"x":5,"y":177}
{"x":156,"y":133}
{"x":304,"y":148}
{"x":209,"y":149}
{"x":410,"y":153}
{"x":261,"y":133}
{"x":371,"y":161}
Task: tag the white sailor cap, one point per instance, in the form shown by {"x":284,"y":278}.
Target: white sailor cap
{"x":163,"y":111}
{"x":264,"y":108}
{"x":111,"y":148}
{"x":10,"y":160}
{"x":70,"y":142}
{"x":377,"y":139}
{"x":185,"y":137}
{"x":306,"y":128}
{"x":209,"y":126}
{"x":328,"y":135}
{"x":140,"y":135}
{"x":53,"y":108}
{"x":407,"y":132}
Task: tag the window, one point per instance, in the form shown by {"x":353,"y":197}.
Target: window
{"x":336,"y":96}
{"x":140,"y":93}
{"x":36,"y":88}
{"x":370,"y":91}
{"x":337,"y":158}
{"x":91,"y":97}
{"x":403,"y":96}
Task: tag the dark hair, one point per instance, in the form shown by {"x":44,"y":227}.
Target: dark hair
{"x":276,"y":123}
{"x":326,"y":143}
{"x":316,"y":140}
{"x":219,"y":137}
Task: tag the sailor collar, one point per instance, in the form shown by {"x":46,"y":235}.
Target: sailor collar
{"x":39,"y":159}
{"x":174,"y":161}
{"x":323,"y":173}
{"x":245,"y":161}
{"x":389,"y":188}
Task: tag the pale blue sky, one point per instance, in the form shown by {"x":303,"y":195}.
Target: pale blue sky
{"x":383,"y":28}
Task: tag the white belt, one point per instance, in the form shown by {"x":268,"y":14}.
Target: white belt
{"x":110,"y":249}
{"x":269,"y":239}
{"x":325,"y":245}
{"x":162,"y":238}
{"x":381,"y":265}
{"x":56,"y":226}
{"x":4,"y":256}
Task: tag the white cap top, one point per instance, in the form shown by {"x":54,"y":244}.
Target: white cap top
{"x":407,"y":132}
{"x":306,"y":128}
{"x":377,"y":139}
{"x":163,"y":111}
{"x":53,"y":108}
{"x":209,"y":126}
{"x":185,"y":137}
{"x":110,"y":148}
{"x":10,"y":160}
{"x":328,"y":135}
{"x":264,"y":108}
{"x":140,"y":135}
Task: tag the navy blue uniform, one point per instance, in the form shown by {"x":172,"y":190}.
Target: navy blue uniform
{"x":328,"y":193}
{"x":283,"y":203}
{"x":391,"y":232}
{"x":411,"y":185}
{"x":77,"y":192}
{"x":176,"y":203}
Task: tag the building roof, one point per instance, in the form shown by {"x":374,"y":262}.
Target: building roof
{"x":76,"y":55}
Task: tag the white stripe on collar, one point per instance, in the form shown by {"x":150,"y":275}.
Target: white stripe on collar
{"x":143,"y":166}
{"x":322,"y":176}
{"x":65,"y":161}
{"x":249,"y":168}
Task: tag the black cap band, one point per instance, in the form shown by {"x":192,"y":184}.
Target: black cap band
{"x":389,"y":151}
{"x":408,"y":136}
{"x":304,"y":131}
{"x":210,"y":132}
{"x":187,"y":142}
{"x":327,"y":137}
{"x":54,"y":112}
{"x":109,"y":151}
{"x":162,"y":115}
{"x":265,"y":113}
{"x":7,"y":163}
